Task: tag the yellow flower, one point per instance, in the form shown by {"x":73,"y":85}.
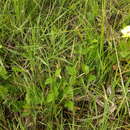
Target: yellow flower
{"x":126,"y":31}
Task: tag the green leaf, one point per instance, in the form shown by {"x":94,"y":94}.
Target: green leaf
{"x":85,"y":69}
{"x":55,"y":90}
{"x":57,"y":73}
{"x":17,"y":69}
{"x":1,"y":46}
{"x":92,"y":78}
{"x":69,"y":105}
{"x":3,"y":92}
{"x":124,"y":50}
{"x":34,"y":96}
{"x":3,"y":72}
{"x":17,"y":106}
{"x":71,"y":70}
{"x":2,"y":115}
{"x":49,"y":81}
{"x":124,"y":54}
{"x":50,"y":97}
{"x":68,"y":92}
{"x":53,"y":94}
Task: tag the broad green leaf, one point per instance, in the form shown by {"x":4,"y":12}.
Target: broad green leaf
{"x":34,"y":96}
{"x":3,"y":91}
{"x":68,"y":92}
{"x":49,"y":81}
{"x":55,"y":91}
{"x":124,"y":54}
{"x":92,"y":78}
{"x":50,"y":97}
{"x":85,"y":69}
{"x":1,"y":46}
{"x":3,"y":72}
{"x":57,"y":73}
{"x":69,"y":105}
{"x":17,"y":69}
{"x":71,"y":71}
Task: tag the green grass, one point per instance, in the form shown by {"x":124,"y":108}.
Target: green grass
{"x":64,"y":65}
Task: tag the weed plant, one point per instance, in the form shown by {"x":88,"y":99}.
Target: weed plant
{"x":64,"y":65}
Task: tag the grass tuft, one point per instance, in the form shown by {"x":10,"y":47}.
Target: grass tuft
{"x":64,"y":64}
